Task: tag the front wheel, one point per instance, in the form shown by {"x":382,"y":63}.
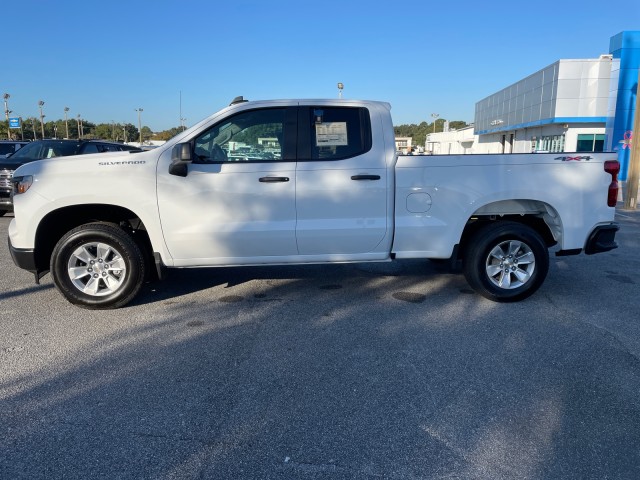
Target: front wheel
{"x":506,"y":262}
{"x":98,"y":266}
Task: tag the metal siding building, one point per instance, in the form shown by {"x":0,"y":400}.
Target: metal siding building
{"x":549,"y":110}
{"x":568,"y":106}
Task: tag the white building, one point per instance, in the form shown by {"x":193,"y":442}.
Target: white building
{"x":452,"y":142}
{"x":561,"y":108}
{"x":403,"y":144}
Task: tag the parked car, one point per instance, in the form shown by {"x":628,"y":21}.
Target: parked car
{"x":338,"y":194}
{"x":41,"y":149}
{"x":9,"y":147}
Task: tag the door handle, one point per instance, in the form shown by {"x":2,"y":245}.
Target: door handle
{"x":365,"y":177}
{"x":273,"y":179}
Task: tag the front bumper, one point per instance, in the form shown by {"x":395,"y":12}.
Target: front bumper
{"x":6,"y":202}
{"x":602,"y":239}
{"x":23,"y":258}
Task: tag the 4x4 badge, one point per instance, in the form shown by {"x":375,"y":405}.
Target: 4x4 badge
{"x":574,"y":159}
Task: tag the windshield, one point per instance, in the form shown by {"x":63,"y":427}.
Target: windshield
{"x":6,"y":148}
{"x":44,"y":149}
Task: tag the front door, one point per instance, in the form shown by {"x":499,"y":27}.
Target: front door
{"x":237,"y":203}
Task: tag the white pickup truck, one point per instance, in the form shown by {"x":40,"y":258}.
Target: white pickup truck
{"x":302,"y":182}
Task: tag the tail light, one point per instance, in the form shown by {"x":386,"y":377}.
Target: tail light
{"x":612,"y":167}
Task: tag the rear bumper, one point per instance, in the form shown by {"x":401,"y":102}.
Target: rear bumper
{"x":602,"y":239}
{"x":23,"y":258}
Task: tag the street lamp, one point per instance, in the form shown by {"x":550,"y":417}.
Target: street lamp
{"x":66,"y":122}
{"x":182,"y":123}
{"x":435,"y":117}
{"x":340,"y":87}
{"x":6,"y":114}
{"x":139,"y":124}
{"x":41,"y":104}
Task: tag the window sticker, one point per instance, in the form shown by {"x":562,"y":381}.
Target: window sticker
{"x":331,"y":134}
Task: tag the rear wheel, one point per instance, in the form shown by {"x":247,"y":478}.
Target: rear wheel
{"x":98,"y":266}
{"x":506,"y":262}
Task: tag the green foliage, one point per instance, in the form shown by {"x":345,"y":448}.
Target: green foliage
{"x":419,"y":132}
{"x":31,"y":129}
{"x":129,"y":132}
{"x":168,"y":134}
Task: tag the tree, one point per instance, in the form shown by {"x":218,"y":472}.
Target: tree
{"x":146,"y":133}
{"x":105,"y":131}
{"x":167,"y":134}
{"x":419,"y":133}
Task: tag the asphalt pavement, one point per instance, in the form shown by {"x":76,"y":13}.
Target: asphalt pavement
{"x":394,"y":370}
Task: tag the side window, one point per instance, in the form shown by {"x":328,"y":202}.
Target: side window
{"x":90,"y":148}
{"x":254,"y":135}
{"x":339,"y":132}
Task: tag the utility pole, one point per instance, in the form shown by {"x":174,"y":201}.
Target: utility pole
{"x":6,"y":114}
{"x":631,"y":198}
{"x":139,"y":124}
{"x":66,"y":122}
{"x":41,"y":104}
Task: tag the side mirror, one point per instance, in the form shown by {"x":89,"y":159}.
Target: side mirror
{"x":180,"y":158}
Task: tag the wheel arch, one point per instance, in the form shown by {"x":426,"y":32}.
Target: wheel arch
{"x":58,"y":222}
{"x":539,"y":215}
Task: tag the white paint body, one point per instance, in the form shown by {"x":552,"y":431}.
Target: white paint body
{"x":220,"y":214}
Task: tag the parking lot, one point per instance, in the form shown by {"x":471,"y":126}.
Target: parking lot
{"x":393,"y":370}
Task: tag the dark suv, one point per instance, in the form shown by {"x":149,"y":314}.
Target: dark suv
{"x":41,"y":149}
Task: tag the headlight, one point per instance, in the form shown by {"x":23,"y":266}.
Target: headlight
{"x":21,"y":184}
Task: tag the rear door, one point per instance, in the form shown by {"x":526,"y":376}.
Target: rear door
{"x":341,"y":184}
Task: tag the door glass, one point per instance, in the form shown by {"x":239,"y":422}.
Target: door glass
{"x":339,"y":132}
{"x":251,"y":136}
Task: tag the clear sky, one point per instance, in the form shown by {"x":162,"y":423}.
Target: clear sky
{"x":105,"y":59}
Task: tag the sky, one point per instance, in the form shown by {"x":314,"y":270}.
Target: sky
{"x":104,"y":60}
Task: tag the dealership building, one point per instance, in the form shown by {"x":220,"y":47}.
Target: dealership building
{"x":582,"y":105}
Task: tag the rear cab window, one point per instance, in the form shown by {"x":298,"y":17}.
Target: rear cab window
{"x":334,"y":133}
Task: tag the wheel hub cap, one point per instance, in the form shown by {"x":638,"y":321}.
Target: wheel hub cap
{"x":510,"y":264}
{"x":96,"y":269}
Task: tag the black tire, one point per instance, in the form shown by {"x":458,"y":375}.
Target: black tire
{"x":114,"y":264}
{"x":506,"y":246}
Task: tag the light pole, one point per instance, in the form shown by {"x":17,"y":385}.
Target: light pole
{"x":6,"y":114}
{"x":139,"y":124}
{"x":340,"y":87}
{"x":182,"y":123}
{"x":435,"y":117}
{"x":79,"y":131}
{"x":66,"y":122}
{"x":41,"y":104}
